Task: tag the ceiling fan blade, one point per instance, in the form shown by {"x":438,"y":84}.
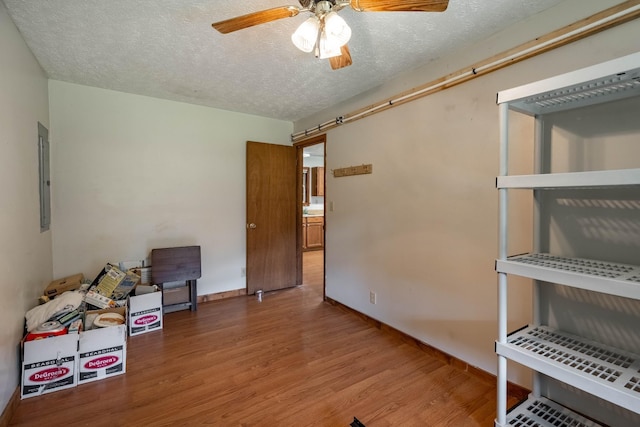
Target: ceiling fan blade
{"x":399,"y":5}
{"x":256,"y":18}
{"x":341,"y":61}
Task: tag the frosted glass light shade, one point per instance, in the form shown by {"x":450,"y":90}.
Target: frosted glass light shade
{"x":329,"y":46}
{"x":305,"y":36}
{"x":337,"y":29}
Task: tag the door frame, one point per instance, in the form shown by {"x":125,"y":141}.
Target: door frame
{"x":320,"y":139}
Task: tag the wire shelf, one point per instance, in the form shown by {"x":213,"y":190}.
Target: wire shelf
{"x":604,"y":88}
{"x":587,"y":365}
{"x":584,"y":180}
{"x":601,"y":276}
{"x":542,"y":412}
{"x":612,"y":80}
{"x":578,"y":265}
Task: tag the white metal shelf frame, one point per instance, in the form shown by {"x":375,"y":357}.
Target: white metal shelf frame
{"x":609,"y":81}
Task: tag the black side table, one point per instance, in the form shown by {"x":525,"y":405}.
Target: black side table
{"x":175,"y":271}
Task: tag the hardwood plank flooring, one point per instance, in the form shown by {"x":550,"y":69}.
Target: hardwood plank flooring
{"x":290,"y":360}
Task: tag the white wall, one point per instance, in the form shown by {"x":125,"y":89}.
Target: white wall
{"x":421,"y":231}
{"x":133,"y":173}
{"x":313,"y":161}
{"x":25,"y":253}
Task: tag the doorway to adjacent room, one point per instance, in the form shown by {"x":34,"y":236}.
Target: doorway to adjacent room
{"x":311,"y":161}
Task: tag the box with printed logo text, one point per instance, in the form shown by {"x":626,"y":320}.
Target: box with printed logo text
{"x":49,"y":365}
{"x":145,"y":311}
{"x":102,"y":350}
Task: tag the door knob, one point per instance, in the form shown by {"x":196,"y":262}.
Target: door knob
{"x":252,"y":225}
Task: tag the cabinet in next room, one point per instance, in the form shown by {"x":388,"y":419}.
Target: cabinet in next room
{"x":312,"y":232}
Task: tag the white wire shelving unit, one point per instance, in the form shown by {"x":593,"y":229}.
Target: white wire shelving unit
{"x":610,"y":374}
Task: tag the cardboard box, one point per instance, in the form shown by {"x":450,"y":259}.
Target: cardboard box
{"x":114,"y":283}
{"x":49,"y":365}
{"x":144,"y":273}
{"x":102,"y":352}
{"x":178,"y":295}
{"x":145,"y":312}
{"x":130,"y":265}
{"x":95,"y":299}
{"x":62,"y":285}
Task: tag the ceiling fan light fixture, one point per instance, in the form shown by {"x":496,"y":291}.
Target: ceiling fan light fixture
{"x":336,"y":28}
{"x":326,"y":34}
{"x":304,"y":38}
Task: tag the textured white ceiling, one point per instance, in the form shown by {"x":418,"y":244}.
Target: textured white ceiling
{"x":167,"y":49}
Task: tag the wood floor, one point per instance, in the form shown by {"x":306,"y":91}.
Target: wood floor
{"x":290,"y":360}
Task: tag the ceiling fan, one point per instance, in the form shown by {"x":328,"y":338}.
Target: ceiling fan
{"x":325,"y":33}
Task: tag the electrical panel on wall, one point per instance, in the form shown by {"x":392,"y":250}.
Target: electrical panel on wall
{"x":44,"y":178}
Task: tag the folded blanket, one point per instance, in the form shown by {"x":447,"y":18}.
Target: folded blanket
{"x":67,"y":301}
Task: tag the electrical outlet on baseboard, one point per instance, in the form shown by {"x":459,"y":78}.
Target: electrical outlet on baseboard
{"x":243,"y":272}
{"x":372,"y":297}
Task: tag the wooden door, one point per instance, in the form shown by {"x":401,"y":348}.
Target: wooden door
{"x":272,"y":228}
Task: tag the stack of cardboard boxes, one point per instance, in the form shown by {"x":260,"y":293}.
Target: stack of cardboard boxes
{"x":92,"y":352}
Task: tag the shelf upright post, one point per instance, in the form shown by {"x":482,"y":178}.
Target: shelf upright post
{"x":501,"y":409}
{"x":540,"y":166}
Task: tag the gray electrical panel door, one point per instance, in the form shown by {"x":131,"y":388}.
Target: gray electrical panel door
{"x":45,"y":182}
